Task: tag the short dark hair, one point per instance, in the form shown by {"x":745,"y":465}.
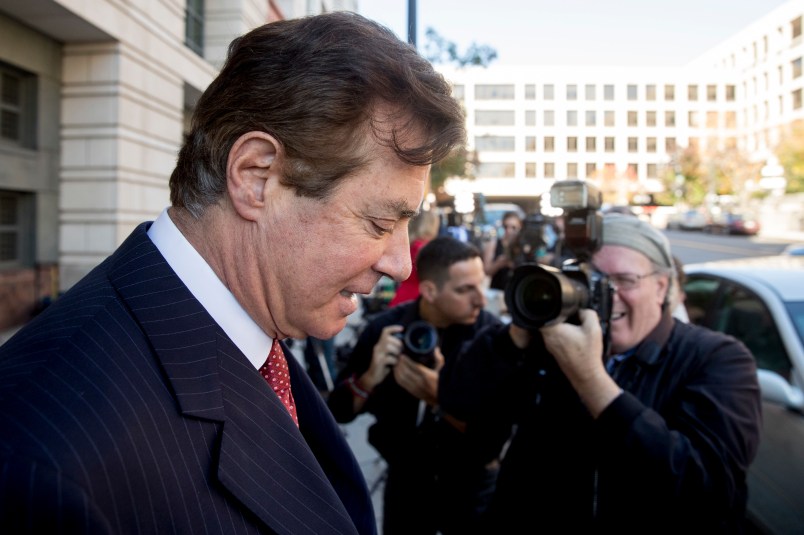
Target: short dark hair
{"x":317,"y":84}
{"x":438,"y":255}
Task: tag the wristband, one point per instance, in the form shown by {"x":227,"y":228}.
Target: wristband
{"x":356,"y":390}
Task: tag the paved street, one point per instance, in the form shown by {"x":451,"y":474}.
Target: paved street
{"x":370,"y":461}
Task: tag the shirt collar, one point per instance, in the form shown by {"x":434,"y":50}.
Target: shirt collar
{"x":213,"y":295}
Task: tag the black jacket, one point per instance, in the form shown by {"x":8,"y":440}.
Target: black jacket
{"x":435,"y":481}
{"x":670,"y":453}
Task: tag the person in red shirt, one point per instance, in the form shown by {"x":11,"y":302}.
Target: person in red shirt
{"x":423,"y":228}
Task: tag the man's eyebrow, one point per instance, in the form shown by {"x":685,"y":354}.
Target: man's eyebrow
{"x":402,"y":209}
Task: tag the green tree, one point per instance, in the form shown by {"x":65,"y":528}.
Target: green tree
{"x":686,"y":163}
{"x":790,"y":152}
{"x":460,"y":163}
{"x":439,"y":50}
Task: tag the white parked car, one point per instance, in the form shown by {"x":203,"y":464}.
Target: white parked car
{"x":760,"y":301}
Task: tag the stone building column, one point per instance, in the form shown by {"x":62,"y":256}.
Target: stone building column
{"x":121,"y":127}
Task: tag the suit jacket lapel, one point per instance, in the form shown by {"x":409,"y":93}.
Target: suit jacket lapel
{"x":264,"y":460}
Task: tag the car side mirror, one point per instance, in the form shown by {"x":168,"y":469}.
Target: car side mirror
{"x":776,"y":389}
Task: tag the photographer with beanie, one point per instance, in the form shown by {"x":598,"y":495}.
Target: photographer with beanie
{"x":655,"y":436}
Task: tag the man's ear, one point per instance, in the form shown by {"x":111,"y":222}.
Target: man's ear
{"x":253,"y":163}
{"x":428,"y":290}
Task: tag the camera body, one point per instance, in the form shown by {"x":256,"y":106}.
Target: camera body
{"x":420,"y":339}
{"x":534,"y":241}
{"x":539,"y":295}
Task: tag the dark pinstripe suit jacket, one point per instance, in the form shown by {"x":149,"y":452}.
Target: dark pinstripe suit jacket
{"x":124,"y":408}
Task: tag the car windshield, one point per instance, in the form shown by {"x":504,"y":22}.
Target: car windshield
{"x":796,"y":311}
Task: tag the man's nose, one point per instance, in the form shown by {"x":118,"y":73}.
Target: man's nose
{"x":395,"y":261}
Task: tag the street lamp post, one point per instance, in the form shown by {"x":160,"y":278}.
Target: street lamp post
{"x":412,"y":22}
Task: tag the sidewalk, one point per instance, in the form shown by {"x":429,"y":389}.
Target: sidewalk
{"x":370,"y":461}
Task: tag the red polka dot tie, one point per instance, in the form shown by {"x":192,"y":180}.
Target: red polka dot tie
{"x":275,"y":370}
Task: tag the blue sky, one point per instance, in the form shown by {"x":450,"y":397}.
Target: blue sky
{"x":578,"y":32}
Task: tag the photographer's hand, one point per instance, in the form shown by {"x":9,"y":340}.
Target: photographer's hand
{"x":578,"y":350}
{"x":419,"y":380}
{"x":384,"y":356}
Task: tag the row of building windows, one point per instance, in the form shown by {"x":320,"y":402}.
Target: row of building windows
{"x":592,"y":170}
{"x":714,"y":119}
{"x":633,"y":92}
{"x":572,"y":144}
{"x":588,"y":144}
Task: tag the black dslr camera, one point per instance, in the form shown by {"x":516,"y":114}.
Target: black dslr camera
{"x":534,"y":241}
{"x":420,"y":339}
{"x":540,"y":295}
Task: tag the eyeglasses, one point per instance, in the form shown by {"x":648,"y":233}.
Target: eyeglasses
{"x":628,"y":281}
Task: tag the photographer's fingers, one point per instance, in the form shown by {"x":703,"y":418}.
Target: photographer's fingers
{"x":419,"y":380}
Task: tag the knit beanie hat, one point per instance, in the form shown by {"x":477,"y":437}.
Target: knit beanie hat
{"x":642,"y":237}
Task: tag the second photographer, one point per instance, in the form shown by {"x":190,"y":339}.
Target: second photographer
{"x":654,"y":436}
{"x":393,"y":373}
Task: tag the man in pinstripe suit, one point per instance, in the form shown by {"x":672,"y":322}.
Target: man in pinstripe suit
{"x":133,"y":404}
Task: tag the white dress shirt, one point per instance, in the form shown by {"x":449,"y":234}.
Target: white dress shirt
{"x":205,"y":285}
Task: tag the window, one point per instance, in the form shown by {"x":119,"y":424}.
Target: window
{"x":651,"y":171}
{"x":711,"y":92}
{"x":572,"y":144}
{"x":548,"y":91}
{"x":549,"y":170}
{"x":632,"y":92}
{"x":530,"y":143}
{"x":669,"y":92}
{"x":16,"y":236}
{"x":692,"y":119}
{"x":530,"y":92}
{"x":194,"y":26}
{"x":591,"y":170}
{"x":731,"y":92}
{"x":670,"y":145}
{"x":494,"y":92}
{"x":632,"y":118}
{"x":650,"y":92}
{"x":731,"y":118}
{"x":549,"y":144}
{"x":591,"y":118}
{"x":795,"y":28}
{"x":669,"y":118}
{"x":494,"y":143}
{"x":530,"y":169}
{"x":572,"y":118}
{"x":692,"y":92}
{"x":591,"y":144}
{"x":17,"y":106}
{"x":650,"y":118}
{"x":796,"y":99}
{"x":549,"y":118}
{"x":495,"y":169}
{"x":711,"y":119}
{"x":608,"y":144}
{"x":572,"y":92}
{"x":796,"y":67}
{"x":650,"y":144}
{"x":632,"y":170}
{"x":530,"y":117}
{"x":608,"y":92}
{"x":589,"y":92}
{"x":458,"y":92}
{"x":608,"y":118}
{"x":572,"y":170}
{"x":632,"y":144}
{"x":494,"y":117}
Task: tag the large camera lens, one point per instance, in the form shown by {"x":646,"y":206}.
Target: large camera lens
{"x":541,"y":295}
{"x":420,"y":340}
